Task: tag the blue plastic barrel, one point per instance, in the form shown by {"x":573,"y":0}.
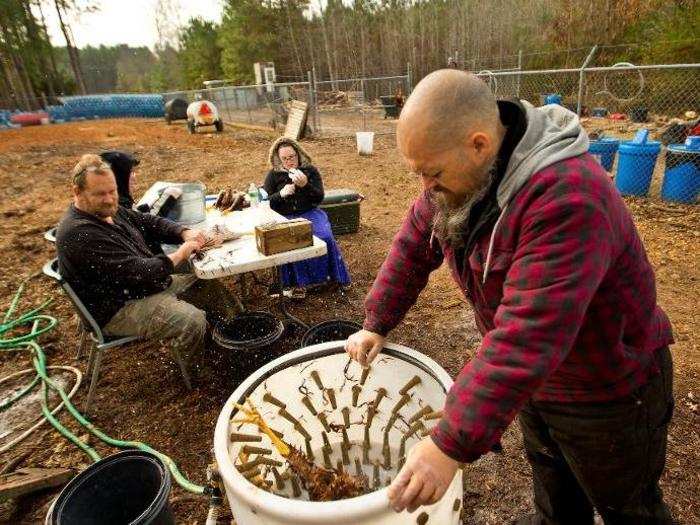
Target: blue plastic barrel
{"x":604,"y":150}
{"x":553,"y":98}
{"x":682,"y":176}
{"x":635,"y":165}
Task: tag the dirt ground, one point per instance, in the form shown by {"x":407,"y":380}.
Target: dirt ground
{"x":141,"y":395}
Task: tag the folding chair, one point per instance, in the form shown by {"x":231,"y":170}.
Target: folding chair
{"x":50,"y":235}
{"x":100,"y":341}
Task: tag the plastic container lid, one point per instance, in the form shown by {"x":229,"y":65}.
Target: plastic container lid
{"x":641,"y":144}
{"x":641,"y":137}
{"x":604,"y":140}
{"x":340,"y":196}
{"x":691,"y":145}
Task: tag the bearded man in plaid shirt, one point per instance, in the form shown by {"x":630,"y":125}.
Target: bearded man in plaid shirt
{"x":545,"y":250}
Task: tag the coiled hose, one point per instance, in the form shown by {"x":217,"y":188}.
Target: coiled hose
{"x":41,"y":324}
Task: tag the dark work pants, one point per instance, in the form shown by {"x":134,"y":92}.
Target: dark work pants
{"x":608,"y":456}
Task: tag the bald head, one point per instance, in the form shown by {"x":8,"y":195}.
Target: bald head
{"x":445,"y":107}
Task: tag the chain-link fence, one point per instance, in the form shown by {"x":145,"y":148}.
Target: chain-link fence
{"x":256,"y":105}
{"x":343,"y":107}
{"x":339,"y":107}
{"x":638,"y":117}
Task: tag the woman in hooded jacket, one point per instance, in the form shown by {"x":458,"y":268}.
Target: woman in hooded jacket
{"x":295,"y":190}
{"x":122,"y":165}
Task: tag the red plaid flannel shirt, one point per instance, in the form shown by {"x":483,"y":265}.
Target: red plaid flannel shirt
{"x":568,"y":311}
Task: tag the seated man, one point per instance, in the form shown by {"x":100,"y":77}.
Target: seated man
{"x":103,"y":254}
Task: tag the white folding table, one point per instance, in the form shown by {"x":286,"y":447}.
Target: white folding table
{"x":241,"y":255}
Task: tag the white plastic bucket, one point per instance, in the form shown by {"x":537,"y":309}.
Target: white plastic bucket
{"x":289,"y":378}
{"x":365,"y":142}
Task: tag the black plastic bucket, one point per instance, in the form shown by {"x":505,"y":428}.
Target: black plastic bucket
{"x":248,"y":330}
{"x":334,"y":330}
{"x":639,"y":114}
{"x":131,"y":487}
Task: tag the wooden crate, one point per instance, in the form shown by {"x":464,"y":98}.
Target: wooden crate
{"x":283,"y":236}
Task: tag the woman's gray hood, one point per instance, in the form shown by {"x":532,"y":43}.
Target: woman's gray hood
{"x":273,"y":158}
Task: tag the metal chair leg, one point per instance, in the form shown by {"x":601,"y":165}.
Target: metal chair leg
{"x":91,"y":359}
{"x":81,"y":343}
{"x":97,"y":361}
{"x":183,"y":367}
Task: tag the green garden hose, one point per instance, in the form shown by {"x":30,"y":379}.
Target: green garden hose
{"x":40,"y":324}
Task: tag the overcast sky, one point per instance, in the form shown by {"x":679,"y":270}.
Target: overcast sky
{"x":131,"y":21}
{"x":127,"y":21}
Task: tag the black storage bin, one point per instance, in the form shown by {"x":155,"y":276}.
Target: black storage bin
{"x":391,"y":110}
{"x":175,"y":109}
{"x":343,"y":209}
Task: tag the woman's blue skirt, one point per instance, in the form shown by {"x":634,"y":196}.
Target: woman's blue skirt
{"x":329,"y":267}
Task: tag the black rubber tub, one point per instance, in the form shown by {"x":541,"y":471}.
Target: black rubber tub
{"x":176,"y":109}
{"x":334,"y":330}
{"x":131,"y":487}
{"x":248,"y":330}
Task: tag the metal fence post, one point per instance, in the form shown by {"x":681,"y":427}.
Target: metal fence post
{"x":228,"y":110}
{"x":581,"y":78}
{"x":317,"y":117}
{"x":520,"y":68}
{"x":312,"y":102}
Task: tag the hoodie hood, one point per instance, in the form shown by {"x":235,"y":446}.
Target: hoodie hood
{"x":122,"y":164}
{"x":553,"y":134}
{"x":273,"y":158}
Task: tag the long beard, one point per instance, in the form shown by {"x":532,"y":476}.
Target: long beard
{"x":449,"y":221}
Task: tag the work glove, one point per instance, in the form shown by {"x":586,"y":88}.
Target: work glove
{"x":287,"y":190}
{"x":298,"y":177}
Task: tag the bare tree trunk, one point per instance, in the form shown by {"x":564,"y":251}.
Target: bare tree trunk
{"x":7,"y":75}
{"x":311,"y":44}
{"x":33,"y":34}
{"x":72,"y":51}
{"x":297,"y":55}
{"x":326,"y":47}
{"x":52,"y":54}
{"x":26,"y":91}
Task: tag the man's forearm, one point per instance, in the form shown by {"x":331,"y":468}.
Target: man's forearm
{"x":178,"y":257}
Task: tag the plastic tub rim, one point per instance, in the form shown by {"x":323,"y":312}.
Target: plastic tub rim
{"x":648,"y":148}
{"x":114,"y":459}
{"x":317,"y":512}
{"x":251,"y":344}
{"x":323,"y":324}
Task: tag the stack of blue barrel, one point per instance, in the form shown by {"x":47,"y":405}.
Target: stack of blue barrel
{"x":5,"y":119}
{"x":112,"y":106}
{"x":682,"y":174}
{"x":635,"y":166}
{"x":604,"y":150}
{"x":58,"y":113}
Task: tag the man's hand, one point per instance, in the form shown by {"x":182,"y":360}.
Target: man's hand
{"x":194,"y":235}
{"x":363,"y":346}
{"x":187,"y":248}
{"x":424,"y":478}
{"x":287,"y":190}
{"x":183,"y":253}
{"x":298,"y":177}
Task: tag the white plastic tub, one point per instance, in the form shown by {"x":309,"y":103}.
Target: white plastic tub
{"x":286,"y":378}
{"x":365,"y":142}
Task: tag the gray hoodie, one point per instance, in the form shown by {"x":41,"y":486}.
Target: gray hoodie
{"x":553,"y":134}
